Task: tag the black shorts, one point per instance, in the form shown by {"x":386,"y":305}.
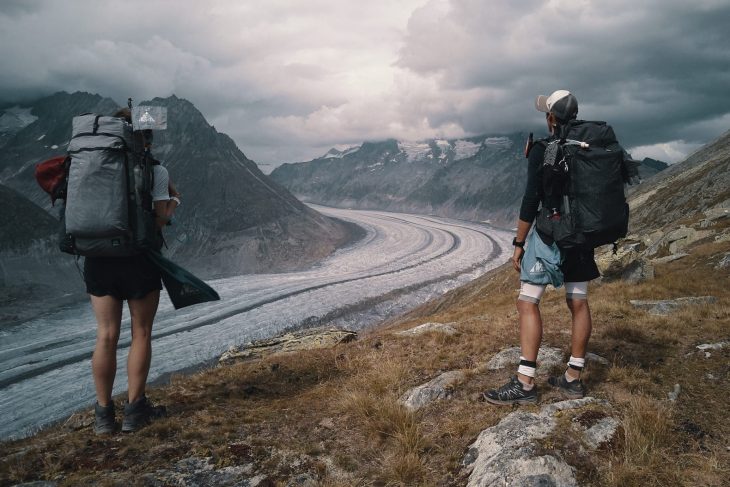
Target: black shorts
{"x":579,"y":265}
{"x":121,"y":277}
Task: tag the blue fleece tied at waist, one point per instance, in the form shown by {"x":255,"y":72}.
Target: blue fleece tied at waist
{"x":541,"y":262}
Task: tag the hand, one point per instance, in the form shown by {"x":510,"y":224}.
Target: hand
{"x":517,"y":258}
{"x":172,"y":190}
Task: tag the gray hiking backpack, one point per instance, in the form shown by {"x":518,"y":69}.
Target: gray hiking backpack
{"x":108,"y":210}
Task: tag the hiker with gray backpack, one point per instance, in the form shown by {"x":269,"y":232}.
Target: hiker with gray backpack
{"x":118,"y":198}
{"x":575,"y":196}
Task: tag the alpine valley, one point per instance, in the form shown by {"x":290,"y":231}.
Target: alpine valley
{"x":475,"y":178}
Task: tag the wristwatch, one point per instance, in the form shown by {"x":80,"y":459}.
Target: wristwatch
{"x":175,"y":199}
{"x":515,"y":243}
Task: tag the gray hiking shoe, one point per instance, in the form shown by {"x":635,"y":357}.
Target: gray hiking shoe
{"x":140,"y":413}
{"x":573,"y":390}
{"x":104,"y":419}
{"x":511,"y":393}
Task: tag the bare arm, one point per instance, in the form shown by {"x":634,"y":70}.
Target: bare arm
{"x":164,"y":209}
{"x":523,"y":228}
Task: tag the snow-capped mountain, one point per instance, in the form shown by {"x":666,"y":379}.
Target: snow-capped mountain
{"x":476,"y":177}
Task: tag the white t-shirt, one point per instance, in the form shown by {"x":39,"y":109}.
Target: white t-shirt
{"x":160,"y":190}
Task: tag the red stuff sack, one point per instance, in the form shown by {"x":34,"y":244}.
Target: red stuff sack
{"x":52,"y":175}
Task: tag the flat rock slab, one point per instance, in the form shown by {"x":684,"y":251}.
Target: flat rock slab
{"x":717,"y":213}
{"x":667,"y":306}
{"x":290,"y":342}
{"x":713,"y":346}
{"x":669,"y":258}
{"x":724,"y":262}
{"x":201,"y":472}
{"x":439,"y":388}
{"x":446,"y":328}
{"x":507,"y":454}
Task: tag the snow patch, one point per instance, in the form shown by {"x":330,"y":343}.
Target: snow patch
{"x":335,"y":153}
{"x":502,"y":142}
{"x":41,"y":137}
{"x":13,"y":120}
{"x":464,"y":149}
{"x":54,"y":146}
{"x":415,"y":150}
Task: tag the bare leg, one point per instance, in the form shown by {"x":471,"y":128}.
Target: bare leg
{"x":582,"y":326}
{"x":108,"y":311}
{"x":140,"y":351}
{"x":530,"y":333}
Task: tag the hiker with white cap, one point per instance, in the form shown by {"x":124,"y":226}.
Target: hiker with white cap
{"x":561,"y":250}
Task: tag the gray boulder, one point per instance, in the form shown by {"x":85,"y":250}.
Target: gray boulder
{"x":676,"y":240}
{"x":724,"y":263}
{"x":628,"y":264}
{"x":507,"y":455}
{"x":309,"y":339}
{"x":439,"y":388}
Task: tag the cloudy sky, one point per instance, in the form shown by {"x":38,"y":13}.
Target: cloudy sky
{"x":289,"y":79}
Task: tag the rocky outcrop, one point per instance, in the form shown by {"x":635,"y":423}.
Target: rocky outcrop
{"x":310,"y":339}
{"x":445,"y":328}
{"x":675,"y":241}
{"x":724,"y":262}
{"x":637,"y":255}
{"x":509,"y":452}
{"x":627,"y":264}
{"x":439,"y":388}
{"x":687,"y":189}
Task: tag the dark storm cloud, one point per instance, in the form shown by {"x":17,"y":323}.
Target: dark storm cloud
{"x":658,"y":70}
{"x":14,"y":8}
{"x":287,"y":79}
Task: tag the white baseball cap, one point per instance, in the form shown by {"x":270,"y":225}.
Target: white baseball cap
{"x":562,"y":103}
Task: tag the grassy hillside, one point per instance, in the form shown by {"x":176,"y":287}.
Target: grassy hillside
{"x":333,"y":416}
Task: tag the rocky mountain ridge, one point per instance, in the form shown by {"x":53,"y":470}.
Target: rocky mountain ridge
{"x":476,"y":178}
{"x":444,"y":177}
{"x":233,"y":219}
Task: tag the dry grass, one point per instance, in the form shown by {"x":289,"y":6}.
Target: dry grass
{"x":335,"y":414}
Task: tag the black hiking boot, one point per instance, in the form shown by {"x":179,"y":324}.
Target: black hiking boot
{"x":572,"y":390}
{"x":140,"y":413}
{"x":511,"y":393}
{"x":104,"y":419}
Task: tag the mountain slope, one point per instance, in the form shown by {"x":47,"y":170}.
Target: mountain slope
{"x":47,"y":135}
{"x":233,"y":219}
{"x":476,"y":178}
{"x":685,"y":189}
